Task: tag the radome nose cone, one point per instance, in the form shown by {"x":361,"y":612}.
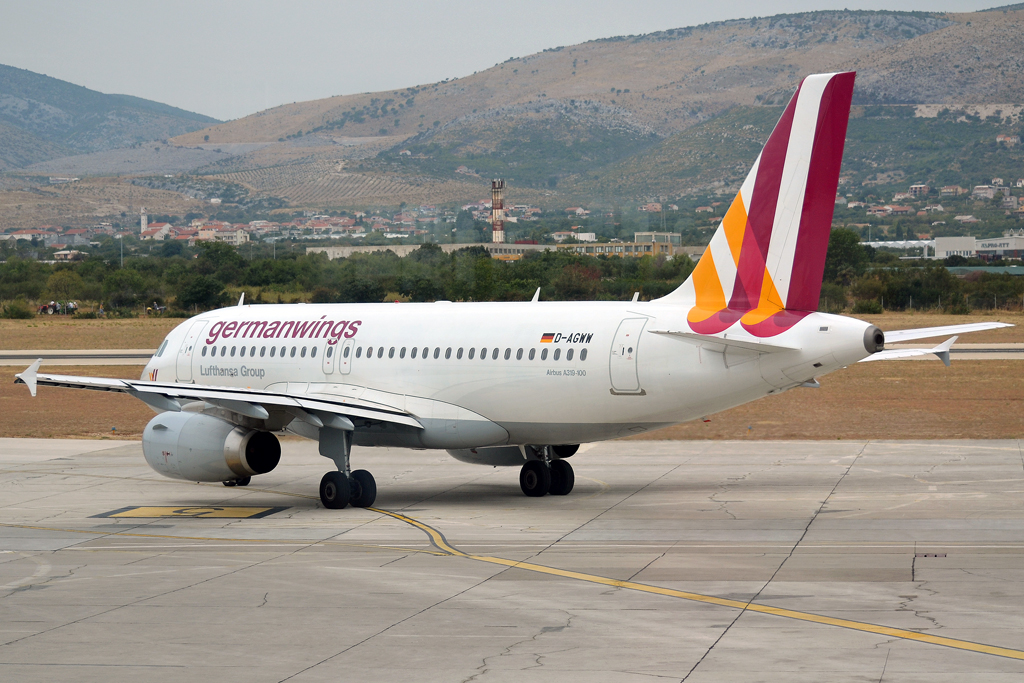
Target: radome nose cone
{"x":874,"y":339}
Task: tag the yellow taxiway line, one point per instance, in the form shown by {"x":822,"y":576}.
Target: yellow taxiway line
{"x":441,"y":543}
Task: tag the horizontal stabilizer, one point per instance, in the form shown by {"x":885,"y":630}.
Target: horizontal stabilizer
{"x":942,"y":351}
{"x":926,"y":332}
{"x":747,"y":343}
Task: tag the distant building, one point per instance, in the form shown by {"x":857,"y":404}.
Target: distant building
{"x":998,"y":182}
{"x":984,"y":192}
{"x":661,"y":237}
{"x":1010,"y":202}
{"x":652,"y":207}
{"x":951,"y":191}
{"x":966,"y":219}
{"x":1008,"y":140}
{"x":955,"y":246}
{"x":919,"y":190}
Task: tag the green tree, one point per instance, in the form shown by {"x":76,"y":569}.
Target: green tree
{"x":846,"y":259}
{"x":64,"y":285}
{"x":124,"y":288}
{"x":202,"y":291}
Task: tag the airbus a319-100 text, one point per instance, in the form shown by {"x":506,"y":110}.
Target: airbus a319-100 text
{"x":523,"y":384}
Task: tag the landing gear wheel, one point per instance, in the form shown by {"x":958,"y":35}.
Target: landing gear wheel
{"x":335,"y":490}
{"x":230,"y":482}
{"x":562,"y":478}
{"x":244,"y":481}
{"x":364,"y":489}
{"x":535,"y":478}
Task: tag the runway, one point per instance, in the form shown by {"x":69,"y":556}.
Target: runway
{"x":697,"y":561}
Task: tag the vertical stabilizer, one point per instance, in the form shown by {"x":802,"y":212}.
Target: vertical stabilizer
{"x":764,"y":265}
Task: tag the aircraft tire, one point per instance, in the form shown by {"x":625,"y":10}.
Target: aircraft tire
{"x":244,"y":481}
{"x":335,"y":490}
{"x":364,"y":489}
{"x":562,"y":478}
{"x":535,"y":478}
{"x":230,"y":482}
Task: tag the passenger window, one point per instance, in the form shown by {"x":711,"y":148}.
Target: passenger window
{"x":519,"y":354}
{"x":401,"y":354}
{"x":369,"y":352}
{"x":359,"y":352}
{"x":437,"y":352}
{"x":533,"y":352}
{"x":583,"y":354}
{"x":426,"y":350}
{"x":414,"y":350}
{"x":312,"y":352}
{"x":391,"y":352}
{"x":252,"y":352}
{"x":568,"y":354}
{"x":448,"y":353}
{"x":263,"y":351}
{"x":330,"y":351}
{"x":204,"y":352}
{"x":558,"y":352}
{"x":273,"y":350}
{"x":233,"y":351}
{"x":543,"y":354}
{"x":293,"y":352}
{"x":380,"y":352}
{"x":494,"y":354}
{"x":472,"y":353}
{"x":302,"y":354}
{"x":223,"y":351}
{"x":483,"y":353}
{"x":508,"y":353}
{"x":285,"y":348}
{"x":345,"y":352}
{"x":241,"y":352}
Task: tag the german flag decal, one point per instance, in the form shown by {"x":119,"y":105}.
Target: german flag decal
{"x":547,"y":338}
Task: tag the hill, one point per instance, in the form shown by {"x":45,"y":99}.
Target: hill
{"x":44,"y":118}
{"x":633,"y":115}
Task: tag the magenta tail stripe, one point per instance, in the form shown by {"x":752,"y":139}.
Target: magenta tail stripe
{"x":818,"y":206}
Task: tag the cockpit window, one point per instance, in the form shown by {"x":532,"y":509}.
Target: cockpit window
{"x":160,"y":351}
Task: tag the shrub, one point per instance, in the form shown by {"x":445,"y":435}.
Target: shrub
{"x":17,"y":310}
{"x":867,"y":306}
{"x":86,"y":315}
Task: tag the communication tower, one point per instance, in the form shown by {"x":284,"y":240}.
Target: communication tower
{"x":498,"y":211}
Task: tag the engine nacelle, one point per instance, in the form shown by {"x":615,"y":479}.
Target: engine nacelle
{"x":198,"y":447}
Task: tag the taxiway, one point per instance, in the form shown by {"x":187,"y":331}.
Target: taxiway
{"x":696,"y":561}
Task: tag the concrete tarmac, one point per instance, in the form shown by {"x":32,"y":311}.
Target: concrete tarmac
{"x":697,"y":561}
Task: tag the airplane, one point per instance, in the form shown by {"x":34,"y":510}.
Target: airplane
{"x":524,"y":383}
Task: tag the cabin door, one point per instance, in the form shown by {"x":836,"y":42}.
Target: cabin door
{"x":183,"y":368}
{"x":622,"y":361}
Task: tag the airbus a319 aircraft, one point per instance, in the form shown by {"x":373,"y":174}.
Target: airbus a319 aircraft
{"x":523,"y":384}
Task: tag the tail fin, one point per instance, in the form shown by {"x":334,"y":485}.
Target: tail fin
{"x":765,"y":262}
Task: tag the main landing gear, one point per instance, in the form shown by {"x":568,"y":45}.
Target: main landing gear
{"x":541,"y":477}
{"x":344,"y":487}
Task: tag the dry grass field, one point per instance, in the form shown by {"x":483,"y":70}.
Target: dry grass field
{"x":886,"y":400}
{"x":56,"y":332}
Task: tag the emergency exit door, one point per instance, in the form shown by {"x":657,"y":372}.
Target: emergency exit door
{"x":622,"y":361}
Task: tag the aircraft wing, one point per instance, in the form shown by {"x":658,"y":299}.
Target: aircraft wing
{"x":725,"y":340}
{"x":318,"y":412}
{"x":926,"y":332}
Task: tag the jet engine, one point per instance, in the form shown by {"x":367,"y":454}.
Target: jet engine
{"x":198,"y":447}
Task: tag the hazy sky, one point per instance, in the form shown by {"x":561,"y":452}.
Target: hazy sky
{"x":229,"y":58}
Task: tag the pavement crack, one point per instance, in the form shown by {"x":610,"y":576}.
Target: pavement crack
{"x":537,"y":657}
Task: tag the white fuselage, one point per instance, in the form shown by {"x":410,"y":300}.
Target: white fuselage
{"x":565,"y":372}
